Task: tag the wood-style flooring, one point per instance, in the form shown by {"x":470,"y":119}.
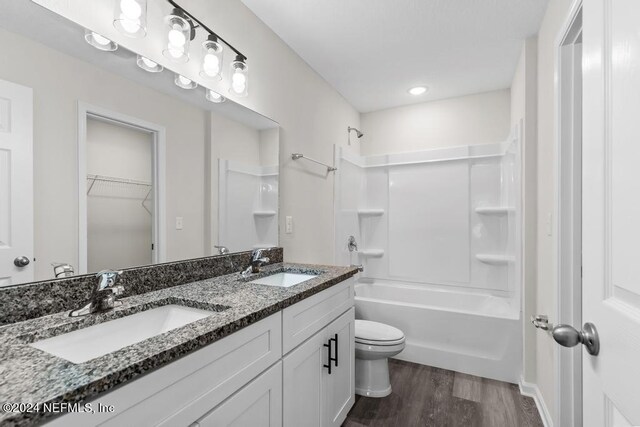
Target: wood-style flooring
{"x":427,"y":396}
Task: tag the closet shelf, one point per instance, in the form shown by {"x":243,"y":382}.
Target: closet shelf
{"x":264,"y":213}
{"x":372,"y":253}
{"x":495,"y":259}
{"x":495,"y":210}
{"x":370,"y":212}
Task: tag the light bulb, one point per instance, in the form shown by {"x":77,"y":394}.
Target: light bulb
{"x":214,"y":97}
{"x":175,"y":52}
{"x":130,"y":17}
{"x":239,"y":82}
{"x":101,"y":40}
{"x":129,"y":25}
{"x":211,"y":65}
{"x":149,"y":63}
{"x":131,"y":9}
{"x":185,"y":82}
{"x":176,"y":37}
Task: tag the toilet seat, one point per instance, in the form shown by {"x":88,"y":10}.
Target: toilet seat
{"x":377,"y":334}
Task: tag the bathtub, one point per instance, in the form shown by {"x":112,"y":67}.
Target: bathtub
{"x":466,"y":332}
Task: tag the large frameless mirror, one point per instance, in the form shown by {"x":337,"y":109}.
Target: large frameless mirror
{"x":109,"y":160}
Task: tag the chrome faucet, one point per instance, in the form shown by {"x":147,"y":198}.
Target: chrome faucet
{"x":257,"y":260}
{"x":222,"y":250}
{"x":104,"y":294}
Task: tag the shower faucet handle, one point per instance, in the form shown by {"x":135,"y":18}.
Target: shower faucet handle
{"x":352,"y":245}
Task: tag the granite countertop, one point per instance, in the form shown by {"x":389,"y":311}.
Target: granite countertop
{"x":31,"y":375}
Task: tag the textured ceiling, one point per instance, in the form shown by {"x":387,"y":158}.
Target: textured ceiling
{"x":373,"y":51}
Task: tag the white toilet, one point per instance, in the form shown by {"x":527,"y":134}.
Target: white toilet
{"x":375,"y":343}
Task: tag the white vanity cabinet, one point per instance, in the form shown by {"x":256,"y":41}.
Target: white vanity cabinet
{"x":318,"y":376}
{"x":272,"y":373}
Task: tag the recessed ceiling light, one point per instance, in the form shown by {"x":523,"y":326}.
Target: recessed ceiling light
{"x":418,"y":90}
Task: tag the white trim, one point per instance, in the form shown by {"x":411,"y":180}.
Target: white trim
{"x":562,"y":364}
{"x":86,"y":110}
{"x":531,"y":390}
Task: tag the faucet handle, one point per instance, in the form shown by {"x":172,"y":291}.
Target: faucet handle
{"x":257,"y":254}
{"x":107,"y":278}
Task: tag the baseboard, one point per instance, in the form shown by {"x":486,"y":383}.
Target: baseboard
{"x":532,"y":390}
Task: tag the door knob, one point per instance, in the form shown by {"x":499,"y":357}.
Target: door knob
{"x":21,"y":261}
{"x":568,"y":336}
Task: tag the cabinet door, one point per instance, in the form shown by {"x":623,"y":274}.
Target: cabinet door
{"x":303,"y":383}
{"x":339,"y":386}
{"x":258,"y":404}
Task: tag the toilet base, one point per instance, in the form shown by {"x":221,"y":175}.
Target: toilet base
{"x":372,"y":378}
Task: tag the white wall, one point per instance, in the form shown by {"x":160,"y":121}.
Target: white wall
{"x":119,"y":228}
{"x":524,"y":113}
{"x":59,"y":82}
{"x":467,"y":120}
{"x":249,"y":147}
{"x":547,"y":286}
{"x":312,"y":115}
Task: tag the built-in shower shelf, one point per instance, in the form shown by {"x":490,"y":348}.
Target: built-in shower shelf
{"x":495,"y":259}
{"x":495,"y":210}
{"x":372,"y":253}
{"x":264,"y":214}
{"x":370,"y":212}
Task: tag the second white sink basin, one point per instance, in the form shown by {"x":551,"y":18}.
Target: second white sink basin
{"x":88,"y":343}
{"x":284,"y":280}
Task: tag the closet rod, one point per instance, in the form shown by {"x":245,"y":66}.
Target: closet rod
{"x":296,"y":156}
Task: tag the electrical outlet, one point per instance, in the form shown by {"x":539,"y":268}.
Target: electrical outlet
{"x":288,"y":225}
{"x":179,"y":223}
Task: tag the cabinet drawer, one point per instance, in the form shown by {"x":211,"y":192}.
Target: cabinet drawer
{"x":184,"y":390}
{"x":302,"y":320}
{"x":258,"y":404}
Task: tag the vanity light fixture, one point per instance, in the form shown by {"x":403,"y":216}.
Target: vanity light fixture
{"x":215,"y":97}
{"x":130,"y":17}
{"x":211,"y":58}
{"x":418,"y":90}
{"x":99,"y":41}
{"x":239,"y":76}
{"x":180,"y":32}
{"x":148,"y":65}
{"x":211,"y":68}
{"x":185,"y":83}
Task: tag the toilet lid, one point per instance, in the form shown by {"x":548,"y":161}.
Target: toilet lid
{"x":367,"y":330}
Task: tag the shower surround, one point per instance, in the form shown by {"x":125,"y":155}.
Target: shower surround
{"x":439,"y":237}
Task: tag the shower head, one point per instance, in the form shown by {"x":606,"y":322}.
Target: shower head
{"x":358,"y":133}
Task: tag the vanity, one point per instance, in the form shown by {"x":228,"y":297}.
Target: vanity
{"x":247,"y":354}
{"x":120,"y":165}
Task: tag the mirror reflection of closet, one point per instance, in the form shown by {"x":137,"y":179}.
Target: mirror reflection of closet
{"x":119,"y":195}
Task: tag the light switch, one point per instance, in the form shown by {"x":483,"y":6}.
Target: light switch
{"x":179,"y":223}
{"x":549,"y":225}
{"x":288,"y":225}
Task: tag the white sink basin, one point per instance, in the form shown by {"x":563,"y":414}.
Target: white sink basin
{"x":284,"y":280}
{"x":88,"y":343}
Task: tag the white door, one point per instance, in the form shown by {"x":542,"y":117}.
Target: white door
{"x":302,"y":383}
{"x":16,"y":184}
{"x":611,"y":210}
{"x":339,"y":390}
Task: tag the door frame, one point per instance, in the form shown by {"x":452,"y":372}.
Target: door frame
{"x":568,"y":214}
{"x":158,"y":171}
